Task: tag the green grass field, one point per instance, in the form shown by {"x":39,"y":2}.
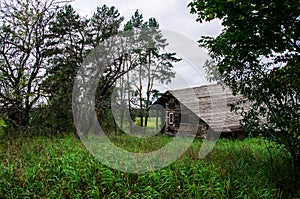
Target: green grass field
{"x":62,"y":168}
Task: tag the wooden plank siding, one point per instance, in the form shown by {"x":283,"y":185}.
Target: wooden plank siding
{"x":199,"y":109}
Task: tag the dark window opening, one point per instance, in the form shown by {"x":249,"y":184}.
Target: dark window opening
{"x":171,"y":118}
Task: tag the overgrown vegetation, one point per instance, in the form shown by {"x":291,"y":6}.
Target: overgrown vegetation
{"x":257,"y":56}
{"x":43,"y":46}
{"x":63,"y":168}
{"x":44,"y":43}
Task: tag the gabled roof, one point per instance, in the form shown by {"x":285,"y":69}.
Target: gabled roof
{"x":210,"y":103}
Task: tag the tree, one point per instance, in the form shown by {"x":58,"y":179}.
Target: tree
{"x":257,"y":55}
{"x":136,"y":24}
{"x":151,"y":64}
{"x":158,"y":65}
{"x":105,"y":22}
{"x":67,"y":48}
{"x":108,"y":59}
{"x":73,"y":38}
{"x":24,"y":32}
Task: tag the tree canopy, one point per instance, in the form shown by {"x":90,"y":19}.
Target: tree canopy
{"x":257,"y":55}
{"x":44,"y":44}
{"x":24,"y":32}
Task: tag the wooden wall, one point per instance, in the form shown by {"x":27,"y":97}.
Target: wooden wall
{"x":178,"y":118}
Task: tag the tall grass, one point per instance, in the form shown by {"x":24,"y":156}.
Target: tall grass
{"x":63,"y":168}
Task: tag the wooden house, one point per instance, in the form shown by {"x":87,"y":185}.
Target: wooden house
{"x":195,"y":111}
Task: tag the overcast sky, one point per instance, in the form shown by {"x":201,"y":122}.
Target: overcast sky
{"x":173,"y":15}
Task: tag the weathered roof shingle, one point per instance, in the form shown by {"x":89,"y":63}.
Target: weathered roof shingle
{"x":210,"y":103}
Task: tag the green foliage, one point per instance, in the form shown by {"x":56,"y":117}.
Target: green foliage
{"x":107,"y":122}
{"x":66,"y":51}
{"x":44,"y":45}
{"x":151,"y":122}
{"x":24,"y":30}
{"x":151,"y":64}
{"x":3,"y":125}
{"x":104,"y":23}
{"x":257,"y":55}
{"x":50,"y":120}
{"x":62,"y":168}
{"x":73,"y":38}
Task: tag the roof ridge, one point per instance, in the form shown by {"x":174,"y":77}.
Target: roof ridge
{"x":196,"y":87}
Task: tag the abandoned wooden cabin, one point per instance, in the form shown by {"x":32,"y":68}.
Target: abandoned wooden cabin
{"x":195,"y":111}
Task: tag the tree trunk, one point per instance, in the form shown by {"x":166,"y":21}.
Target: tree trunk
{"x":122,"y":104}
{"x":147,"y":107}
{"x":25,"y":120}
{"x":141,"y":107}
{"x":146,"y":118}
{"x":129,"y":109}
{"x":76,"y":134}
{"x":140,"y":93}
{"x":130,"y":124}
{"x":115,"y":127}
{"x":149,"y":88}
{"x":156,"y":122}
{"x":141,"y":118}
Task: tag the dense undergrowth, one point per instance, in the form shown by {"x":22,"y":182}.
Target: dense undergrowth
{"x":43,"y":167}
